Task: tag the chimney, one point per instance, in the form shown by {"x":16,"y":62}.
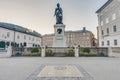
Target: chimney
{"x":84,"y":28}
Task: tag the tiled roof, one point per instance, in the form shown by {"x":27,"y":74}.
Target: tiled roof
{"x":19,"y":29}
{"x":78,"y":31}
{"x":81,"y":31}
{"x":106,"y":4}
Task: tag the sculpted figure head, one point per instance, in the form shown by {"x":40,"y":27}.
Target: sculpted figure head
{"x":58,"y":5}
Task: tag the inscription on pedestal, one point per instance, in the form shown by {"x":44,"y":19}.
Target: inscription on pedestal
{"x":59,"y":38}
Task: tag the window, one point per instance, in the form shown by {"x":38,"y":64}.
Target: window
{"x":24,"y":37}
{"x":107,"y":30}
{"x":2,"y":35}
{"x":115,"y":42}
{"x":108,"y":43}
{"x":114,"y":28}
{"x":102,"y":32}
{"x":107,"y":20}
{"x":102,"y":43}
{"x":101,"y":23}
{"x":25,"y":44}
{"x":18,"y":37}
{"x":8,"y":34}
{"x":114,"y":16}
{"x":29,"y":38}
{"x":33,"y":38}
{"x":36,"y":39}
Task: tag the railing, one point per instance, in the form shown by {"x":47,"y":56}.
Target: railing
{"x":22,"y":50}
{"x":67,"y":51}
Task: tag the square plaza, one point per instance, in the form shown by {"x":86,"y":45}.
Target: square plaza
{"x":68,"y":53}
{"x":23,"y":68}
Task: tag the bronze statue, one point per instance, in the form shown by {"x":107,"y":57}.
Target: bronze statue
{"x":58,"y":14}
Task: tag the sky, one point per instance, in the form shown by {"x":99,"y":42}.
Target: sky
{"x":38,"y":15}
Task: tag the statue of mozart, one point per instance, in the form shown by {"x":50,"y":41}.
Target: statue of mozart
{"x":58,"y":14}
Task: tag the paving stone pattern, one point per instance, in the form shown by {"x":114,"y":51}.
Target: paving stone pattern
{"x":34,"y":75}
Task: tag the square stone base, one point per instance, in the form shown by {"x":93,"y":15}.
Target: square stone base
{"x":60,"y":71}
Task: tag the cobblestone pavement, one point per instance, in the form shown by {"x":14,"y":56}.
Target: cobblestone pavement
{"x":85,"y":76}
{"x":22,"y":68}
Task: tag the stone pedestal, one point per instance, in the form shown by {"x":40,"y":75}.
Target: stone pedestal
{"x":76,"y":51}
{"x":43,"y":51}
{"x":59,"y":39}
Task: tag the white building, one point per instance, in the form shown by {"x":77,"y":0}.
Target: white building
{"x":10,"y":34}
{"x":109,"y":24}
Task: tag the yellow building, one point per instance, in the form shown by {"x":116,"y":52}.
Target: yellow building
{"x":83,"y":38}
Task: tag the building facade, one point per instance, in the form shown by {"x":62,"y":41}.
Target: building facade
{"x":109,"y":24}
{"x":83,"y":38}
{"x":47,"y":40}
{"x":19,"y":36}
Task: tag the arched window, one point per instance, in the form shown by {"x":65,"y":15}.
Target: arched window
{"x":25,"y":44}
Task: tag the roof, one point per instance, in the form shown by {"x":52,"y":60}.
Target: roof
{"x":105,"y":5}
{"x":81,"y":31}
{"x":78,"y":31}
{"x":52,"y":34}
{"x":19,"y":29}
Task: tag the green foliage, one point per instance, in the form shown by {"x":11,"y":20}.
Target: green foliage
{"x":101,"y":54}
{"x":49,"y":52}
{"x":18,"y":54}
{"x":86,"y":50}
{"x":88,"y":55}
{"x":70,"y":53}
{"x":31,"y":54}
{"x":35,"y":50}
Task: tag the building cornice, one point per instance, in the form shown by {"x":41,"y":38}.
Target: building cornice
{"x":105,"y":5}
{"x":19,"y":29}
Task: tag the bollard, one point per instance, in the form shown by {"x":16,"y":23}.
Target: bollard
{"x":43,"y":52}
{"x":76,"y":51}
